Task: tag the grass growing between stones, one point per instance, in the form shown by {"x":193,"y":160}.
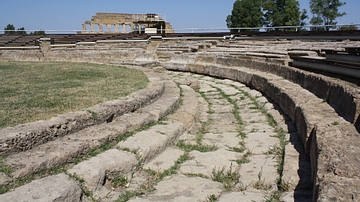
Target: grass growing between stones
{"x":236,"y":111}
{"x":62,"y":168}
{"x":229,"y":179}
{"x":6,"y":169}
{"x":27,"y":179}
{"x":244,"y":158}
{"x":199,"y":147}
{"x":154,"y":178}
{"x":32,"y":91}
{"x":278,"y":151}
{"x":81,"y":183}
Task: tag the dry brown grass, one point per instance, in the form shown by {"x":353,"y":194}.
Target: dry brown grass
{"x":33,"y":91}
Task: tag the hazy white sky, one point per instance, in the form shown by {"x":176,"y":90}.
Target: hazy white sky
{"x":70,"y":14}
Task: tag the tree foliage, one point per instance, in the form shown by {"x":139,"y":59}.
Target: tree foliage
{"x":40,"y":32}
{"x":348,"y":28}
{"x":9,"y":29}
{"x":325,"y":12}
{"x":21,"y":31}
{"x":283,"y":13}
{"x":245,"y":13}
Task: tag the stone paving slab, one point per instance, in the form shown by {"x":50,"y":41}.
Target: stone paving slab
{"x":181,"y":188}
{"x":261,"y":169}
{"x":207,"y":162}
{"x":261,"y":142}
{"x":149,"y":143}
{"x":165,"y":160}
{"x":222,"y":140}
{"x":96,"y":170}
{"x":49,"y":189}
{"x":250,"y":195}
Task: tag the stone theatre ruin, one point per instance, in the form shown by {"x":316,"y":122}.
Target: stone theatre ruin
{"x":126,"y":23}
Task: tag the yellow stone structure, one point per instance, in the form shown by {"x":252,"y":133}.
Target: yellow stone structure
{"x":126,"y":23}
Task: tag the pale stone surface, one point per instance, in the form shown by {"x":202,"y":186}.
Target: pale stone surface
{"x":149,"y":143}
{"x":165,"y":160}
{"x":261,"y":142}
{"x":261,"y":169}
{"x":4,"y":179}
{"x":95,"y":170}
{"x":250,"y":195}
{"x":181,"y":188}
{"x":49,"y":189}
{"x":223,"y":140}
{"x":207,"y":162}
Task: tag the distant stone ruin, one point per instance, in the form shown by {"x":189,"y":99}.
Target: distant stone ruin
{"x":126,"y":23}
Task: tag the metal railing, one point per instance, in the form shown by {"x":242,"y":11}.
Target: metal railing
{"x":219,"y":29}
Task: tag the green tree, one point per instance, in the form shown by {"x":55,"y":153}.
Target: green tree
{"x":40,"y":32}
{"x":325,"y":12}
{"x":9,"y":29}
{"x":348,"y":27}
{"x":21,"y":31}
{"x":283,"y":13}
{"x":245,"y":13}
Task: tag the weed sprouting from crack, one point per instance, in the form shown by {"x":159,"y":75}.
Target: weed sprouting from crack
{"x":211,"y":198}
{"x":260,"y":184}
{"x":203,"y":95}
{"x":120,"y":181}
{"x":229,"y":179}
{"x":26,"y":179}
{"x":6,"y":169}
{"x":244,"y":159}
{"x":203,"y":130}
{"x":81,"y":183}
{"x":239,"y":149}
{"x":154,"y":178}
{"x":279,"y":150}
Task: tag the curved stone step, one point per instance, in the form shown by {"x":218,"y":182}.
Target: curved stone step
{"x":222,"y":132}
{"x":314,"y":119}
{"x":53,"y":188}
{"x":26,"y":136}
{"x":98,"y":171}
{"x":65,"y":149}
{"x":145,"y":144}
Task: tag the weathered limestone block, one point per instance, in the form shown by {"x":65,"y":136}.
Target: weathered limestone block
{"x":98,"y":169}
{"x":27,"y":136}
{"x":335,"y":162}
{"x":347,"y":100}
{"x":337,"y":188}
{"x":51,"y":189}
{"x":151,"y":142}
{"x":309,"y":115}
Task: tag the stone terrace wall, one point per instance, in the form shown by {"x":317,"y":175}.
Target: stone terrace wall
{"x":333,"y":148}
